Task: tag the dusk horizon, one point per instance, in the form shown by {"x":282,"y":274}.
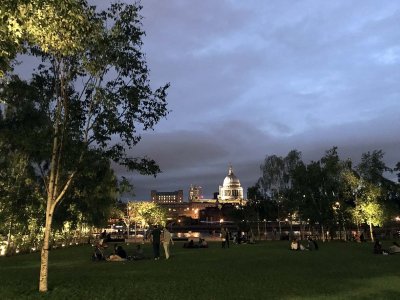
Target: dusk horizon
{"x":255,"y":79}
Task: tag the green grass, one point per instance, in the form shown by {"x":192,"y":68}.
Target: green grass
{"x":267,"y":270}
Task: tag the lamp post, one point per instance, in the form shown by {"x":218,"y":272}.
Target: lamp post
{"x":339,"y":215}
{"x":265,"y":228}
{"x":128,"y":221}
{"x":279,"y":220}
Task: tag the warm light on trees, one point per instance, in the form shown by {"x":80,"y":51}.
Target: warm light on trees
{"x":53,"y":26}
{"x":93,"y":88}
{"x":367,"y":208}
{"x":146,"y":213}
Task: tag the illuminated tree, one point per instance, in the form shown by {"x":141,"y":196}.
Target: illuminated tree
{"x":53,"y":26}
{"x":93,"y":87}
{"x":365,"y":198}
{"x":21,"y":203}
{"x":146,"y":213}
{"x":368,"y":209}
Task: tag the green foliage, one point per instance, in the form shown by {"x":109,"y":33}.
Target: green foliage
{"x":329,"y":191}
{"x":147,"y":213}
{"x":92,"y":195}
{"x":58,"y":27}
{"x":86,"y":105}
{"x":372,"y":166}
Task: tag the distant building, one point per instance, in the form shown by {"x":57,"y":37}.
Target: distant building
{"x":231,"y":191}
{"x":167,"y":197}
{"x":230,"y":194}
{"x":195,"y":193}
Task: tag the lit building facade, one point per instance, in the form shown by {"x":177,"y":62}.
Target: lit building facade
{"x":195,"y":193}
{"x":167,"y":197}
{"x":231,"y":191}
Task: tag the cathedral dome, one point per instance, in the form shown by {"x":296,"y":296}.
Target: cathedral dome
{"x":231,"y":180}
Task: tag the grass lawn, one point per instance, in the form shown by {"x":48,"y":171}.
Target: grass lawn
{"x":267,"y":270}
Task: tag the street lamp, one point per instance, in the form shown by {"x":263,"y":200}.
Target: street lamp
{"x":265,"y":228}
{"x":279,"y":220}
{"x":339,"y":214}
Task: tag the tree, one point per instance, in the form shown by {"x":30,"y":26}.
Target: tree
{"x":92,"y":195}
{"x":365,"y":195}
{"x":317,"y":186}
{"x":53,"y":26}
{"x":372,"y":166}
{"x":146,"y":213}
{"x":273,"y":175}
{"x":368,"y":209}
{"x":276,"y":183}
{"x":97,"y":95}
{"x":397,"y":168}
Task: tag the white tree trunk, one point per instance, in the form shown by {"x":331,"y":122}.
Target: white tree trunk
{"x":44,"y":258}
{"x":370,"y":231}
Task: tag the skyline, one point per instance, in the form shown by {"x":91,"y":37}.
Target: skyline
{"x":261,"y":78}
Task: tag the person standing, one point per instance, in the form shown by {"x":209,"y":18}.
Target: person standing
{"x":223,"y":237}
{"x":155,"y":238}
{"x":167,"y":241}
{"x":227,"y":236}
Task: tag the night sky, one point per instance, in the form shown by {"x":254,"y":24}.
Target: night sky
{"x":256,"y":78}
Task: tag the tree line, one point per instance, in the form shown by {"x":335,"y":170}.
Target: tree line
{"x":330,"y":194}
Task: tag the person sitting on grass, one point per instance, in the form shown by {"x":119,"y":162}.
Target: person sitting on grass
{"x":378,"y":248}
{"x":294,"y":245}
{"x":202,"y":243}
{"x":395,"y":248}
{"x":311,"y":244}
{"x":98,"y":254}
{"x":190,"y":245}
{"x":138,"y":253}
{"x":119,"y":254}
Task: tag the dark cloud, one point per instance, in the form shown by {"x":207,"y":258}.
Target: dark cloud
{"x":255,"y":78}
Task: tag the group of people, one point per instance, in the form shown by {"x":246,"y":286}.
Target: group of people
{"x":119,"y":254}
{"x":378,"y":248}
{"x":311,"y":245}
{"x":157,"y":236}
{"x":244,"y":238}
{"x":202,"y":243}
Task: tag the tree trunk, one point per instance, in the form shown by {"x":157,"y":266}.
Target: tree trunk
{"x":44,"y":258}
{"x":371,"y":231}
{"x":9,"y":238}
{"x":323,"y":233}
{"x":345,"y":232}
{"x":291,"y":229}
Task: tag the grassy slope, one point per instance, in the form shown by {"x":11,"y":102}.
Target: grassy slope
{"x":263,"y":271}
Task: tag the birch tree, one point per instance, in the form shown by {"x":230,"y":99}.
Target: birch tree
{"x":94,"y":87}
